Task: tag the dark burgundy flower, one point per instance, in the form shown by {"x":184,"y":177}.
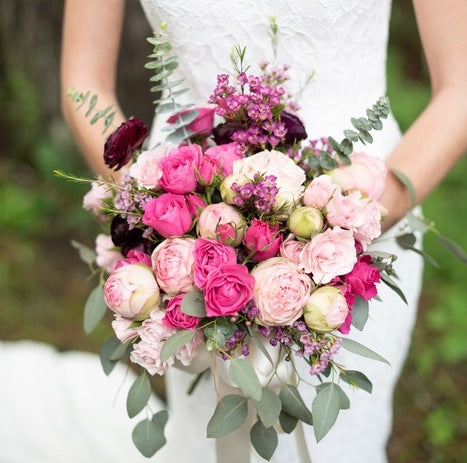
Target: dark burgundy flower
{"x":128,"y":239}
{"x":295,"y":128}
{"x":222,"y":133}
{"x":120,"y":145}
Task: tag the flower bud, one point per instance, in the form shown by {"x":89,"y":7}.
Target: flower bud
{"x":226,"y":187}
{"x":305,"y":222}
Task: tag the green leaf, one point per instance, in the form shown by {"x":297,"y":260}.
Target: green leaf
{"x":365,"y":136}
{"x":160,"y":419}
{"x":178,"y":136}
{"x":357,"y":379}
{"x":260,"y":345}
{"x":122,"y":351}
{"x":407,"y":183}
{"x":148,"y":437}
{"x":86,"y":254}
{"x":359,"y":349}
{"x":219,"y":331}
{"x":327,"y":162}
{"x":264,"y":440}
{"x":346,"y":147}
{"x":377,"y":125}
{"x":244,"y":376}
{"x":453,"y":248}
{"x":228,"y":416}
{"x":360,"y":313}
{"x":351,"y":135}
{"x":406,"y":241}
{"x":287,"y":422}
{"x":138,"y":395}
{"x":94,"y":309}
{"x":106,"y":351}
{"x":343,"y":398}
{"x":356,"y":123}
{"x":325,"y":408}
{"x":171,"y":107}
{"x":175,"y":342}
{"x":393,"y":285}
{"x":418,"y":223}
{"x":183,"y":121}
{"x":193,"y":304}
{"x":293,"y":404}
{"x":268,"y":408}
{"x":92,"y":105}
{"x":334,"y":144}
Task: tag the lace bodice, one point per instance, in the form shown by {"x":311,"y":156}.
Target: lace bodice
{"x":343,"y":41}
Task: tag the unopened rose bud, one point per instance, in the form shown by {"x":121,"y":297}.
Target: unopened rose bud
{"x":226,"y":187}
{"x":305,"y":222}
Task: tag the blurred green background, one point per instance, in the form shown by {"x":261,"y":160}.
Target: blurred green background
{"x":43,"y":285}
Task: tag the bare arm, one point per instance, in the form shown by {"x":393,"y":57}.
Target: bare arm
{"x":438,"y":138}
{"x":90,"y":46}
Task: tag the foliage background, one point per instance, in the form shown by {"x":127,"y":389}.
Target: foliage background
{"x":43,"y":285}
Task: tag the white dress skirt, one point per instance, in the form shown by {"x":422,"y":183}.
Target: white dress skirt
{"x":60,"y":408}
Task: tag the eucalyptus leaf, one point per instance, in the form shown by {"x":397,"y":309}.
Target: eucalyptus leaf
{"x":105,"y":353}
{"x":175,"y":342}
{"x":346,"y":146}
{"x":260,"y":345}
{"x":264,"y":440}
{"x":219,"y":331}
{"x":178,"y":136}
{"x":138,"y":395}
{"x":418,"y":223}
{"x":351,"y":135}
{"x":94,"y":309}
{"x":365,"y":136}
{"x":92,"y":105}
{"x":228,"y":416}
{"x":287,"y":422}
{"x":407,"y":183}
{"x":160,"y":419}
{"x":86,"y":254}
{"x":325,"y":408}
{"x":122,"y":351}
{"x":334,"y":144}
{"x":244,"y":376}
{"x":453,"y":248}
{"x":293,"y":404}
{"x":357,"y":379}
{"x":193,"y":304}
{"x":406,"y":241}
{"x":393,"y":285}
{"x":359,"y":349}
{"x":268,"y":408}
{"x":327,"y":162}
{"x":360,"y":311}
{"x":148,"y":437}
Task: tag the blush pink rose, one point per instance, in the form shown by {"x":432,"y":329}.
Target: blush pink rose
{"x":121,"y":327}
{"x":134,"y":257}
{"x":168,"y":214}
{"x":222,"y":223}
{"x":371,"y":228}
{"x":107,"y":256}
{"x":263,"y":239}
{"x":223,"y":157}
{"x":347,"y":211}
{"x":291,"y":249}
{"x":179,"y":169}
{"x":208,"y":256}
{"x":281,"y":291}
{"x":147,"y":169}
{"x":329,"y":254}
{"x":362,"y":280}
{"x":172,"y":262}
{"x":203,"y":123}
{"x":132,"y":291}
{"x":227,"y":290}
{"x":320,"y":191}
{"x":175,"y":318}
{"x":93,"y":199}
{"x":195,"y":204}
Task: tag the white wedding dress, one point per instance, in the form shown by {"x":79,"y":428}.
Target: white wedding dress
{"x":61,"y":408}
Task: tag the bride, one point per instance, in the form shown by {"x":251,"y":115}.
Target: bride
{"x":344,"y":42}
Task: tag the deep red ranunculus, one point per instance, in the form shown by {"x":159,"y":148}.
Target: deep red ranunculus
{"x":121,"y":144}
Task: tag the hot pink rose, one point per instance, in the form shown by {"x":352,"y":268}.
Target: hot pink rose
{"x":291,"y":249}
{"x":227,"y":290}
{"x":195,"y":204}
{"x":329,"y":254}
{"x":168,"y":214}
{"x":361,"y":280}
{"x":223,"y":157}
{"x":92,"y":200}
{"x":208,"y":256}
{"x":263,"y":239}
{"x":320,"y":191}
{"x":179,"y":169}
{"x":172,"y":262}
{"x":206,"y":171}
{"x":223,"y":223}
{"x":371,"y":228}
{"x":203,"y":123}
{"x":349,"y":211}
{"x":121,"y":327}
{"x":106,"y":254}
{"x":134,"y":257}
{"x":281,"y":291}
{"x":147,"y":170}
{"x":175,"y":318}
{"x":131,"y":291}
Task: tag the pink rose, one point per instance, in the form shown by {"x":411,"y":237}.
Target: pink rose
{"x":121,"y":327}
{"x":203,"y":123}
{"x":206,"y":171}
{"x":208,"y":256}
{"x":361,"y":280}
{"x":195,"y":204}
{"x":371,"y":228}
{"x":172,"y":262}
{"x":326,"y":309}
{"x":223,"y":157}
{"x":263,"y":239}
{"x":179,"y":169}
{"x":366,"y":173}
{"x":147,"y":169}
{"x":320,"y":191}
{"x":168,"y":214}
{"x":134,"y":257}
{"x":349,"y":211}
{"x":175,"y":318}
{"x":131,"y":291}
{"x":291,"y":249}
{"x":350,"y":299}
{"x":92,"y":200}
{"x":106,"y":254}
{"x":281,"y":291}
{"x":329,"y":254}
{"x":189,"y":351}
{"x":227,"y":290}
{"x":222,"y":223}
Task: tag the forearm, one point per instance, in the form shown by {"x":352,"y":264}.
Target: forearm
{"x":428,"y":150}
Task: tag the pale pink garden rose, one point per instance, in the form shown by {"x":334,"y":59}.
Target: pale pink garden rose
{"x":305,"y":221}
{"x":329,"y":254}
{"x":348,"y":211}
{"x":172,"y":262}
{"x":320,"y":191}
{"x":326,"y":309}
{"x":371,"y":228}
{"x":147,"y":170}
{"x":121,"y":327}
{"x":132,"y":291}
{"x":222,"y":223}
{"x":291,"y":248}
{"x":223,"y":157}
{"x":366,"y":173}
{"x":281,"y":291}
{"x":107,"y":256}
{"x":134,"y":257}
{"x":92,"y":200}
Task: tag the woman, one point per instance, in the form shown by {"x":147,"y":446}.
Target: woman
{"x":345,"y":43}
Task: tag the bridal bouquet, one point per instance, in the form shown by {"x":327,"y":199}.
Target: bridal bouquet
{"x":236,"y":239}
